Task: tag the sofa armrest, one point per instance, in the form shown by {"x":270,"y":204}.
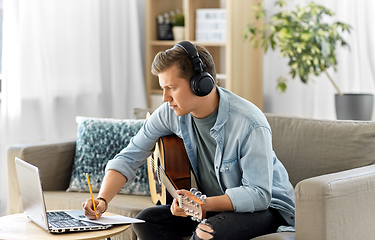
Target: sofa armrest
{"x":336,"y":206}
{"x":54,"y":160}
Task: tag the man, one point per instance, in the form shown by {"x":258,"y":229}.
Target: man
{"x":229,"y":144}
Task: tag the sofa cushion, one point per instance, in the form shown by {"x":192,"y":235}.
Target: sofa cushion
{"x":98,"y":141}
{"x":310,"y":147}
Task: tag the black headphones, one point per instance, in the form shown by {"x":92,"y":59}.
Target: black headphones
{"x":202,"y":83}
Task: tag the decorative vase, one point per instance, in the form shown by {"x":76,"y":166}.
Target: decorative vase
{"x":353,"y":106}
{"x":178,"y":33}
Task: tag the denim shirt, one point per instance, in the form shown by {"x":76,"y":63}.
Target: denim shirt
{"x":246,"y":166}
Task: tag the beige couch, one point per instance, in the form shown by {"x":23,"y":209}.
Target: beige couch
{"x":330,"y":163}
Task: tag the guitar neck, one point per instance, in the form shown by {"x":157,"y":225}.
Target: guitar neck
{"x":168,"y":183}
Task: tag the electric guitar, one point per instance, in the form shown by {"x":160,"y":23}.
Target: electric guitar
{"x":170,"y":153}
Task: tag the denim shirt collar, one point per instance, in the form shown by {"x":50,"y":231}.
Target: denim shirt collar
{"x":224,"y":110}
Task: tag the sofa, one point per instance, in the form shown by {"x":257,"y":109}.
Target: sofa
{"x":330,"y":164}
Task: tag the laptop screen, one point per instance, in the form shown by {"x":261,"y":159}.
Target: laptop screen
{"x":32,"y":193}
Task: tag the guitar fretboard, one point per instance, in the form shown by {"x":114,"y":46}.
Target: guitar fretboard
{"x":167,"y":183}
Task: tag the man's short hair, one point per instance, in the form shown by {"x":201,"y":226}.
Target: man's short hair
{"x":176,"y":55}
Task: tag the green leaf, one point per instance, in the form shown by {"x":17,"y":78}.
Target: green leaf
{"x":281,"y":87}
{"x":293,"y":73}
{"x":306,"y":36}
{"x":280,"y":3}
{"x":303,"y":79}
{"x":316,"y":61}
{"x":273,"y":44}
{"x":281,"y":84}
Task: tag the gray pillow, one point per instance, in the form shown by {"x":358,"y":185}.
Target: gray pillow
{"x":98,"y":141}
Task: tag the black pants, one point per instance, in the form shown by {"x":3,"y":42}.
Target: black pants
{"x":161,"y":224}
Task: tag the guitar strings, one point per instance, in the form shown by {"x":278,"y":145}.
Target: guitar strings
{"x":152,"y":162}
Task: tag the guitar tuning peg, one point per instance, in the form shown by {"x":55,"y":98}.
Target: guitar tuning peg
{"x":198,"y":194}
{"x":203,"y":198}
{"x":193,"y":190}
{"x":194,"y":218}
{"x":204,"y":221}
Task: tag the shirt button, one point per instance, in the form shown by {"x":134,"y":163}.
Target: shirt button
{"x":226,"y":168}
{"x":183,"y":122}
{"x":189,"y":147}
{"x":217,"y":167}
{"x":220,"y":142}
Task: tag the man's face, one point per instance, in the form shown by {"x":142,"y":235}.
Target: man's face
{"x":177,"y":92}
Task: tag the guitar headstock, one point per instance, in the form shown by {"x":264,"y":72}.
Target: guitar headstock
{"x":194,"y":204}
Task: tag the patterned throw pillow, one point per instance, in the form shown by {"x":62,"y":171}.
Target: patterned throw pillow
{"x":99,"y":140}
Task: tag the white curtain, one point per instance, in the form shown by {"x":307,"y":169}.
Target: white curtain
{"x":355,"y":70}
{"x":65,"y":58}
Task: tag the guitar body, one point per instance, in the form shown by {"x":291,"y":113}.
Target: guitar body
{"x":170,"y":153}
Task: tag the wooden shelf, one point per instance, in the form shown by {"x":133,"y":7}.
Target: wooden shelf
{"x":235,"y":59}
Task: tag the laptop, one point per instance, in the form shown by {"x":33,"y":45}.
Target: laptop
{"x":35,"y":208}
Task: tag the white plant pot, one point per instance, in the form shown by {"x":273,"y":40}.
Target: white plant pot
{"x":178,"y":33}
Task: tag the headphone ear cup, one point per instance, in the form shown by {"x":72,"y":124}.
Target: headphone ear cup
{"x":202,"y":84}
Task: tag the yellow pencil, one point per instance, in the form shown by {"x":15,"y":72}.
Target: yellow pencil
{"x":92,"y":196}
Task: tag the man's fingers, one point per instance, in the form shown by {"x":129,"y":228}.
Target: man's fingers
{"x":176,"y":210}
{"x":88,"y":209}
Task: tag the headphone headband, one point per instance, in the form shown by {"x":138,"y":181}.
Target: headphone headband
{"x":193,"y":54}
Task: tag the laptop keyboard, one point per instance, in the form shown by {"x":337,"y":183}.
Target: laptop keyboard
{"x":63,"y":220}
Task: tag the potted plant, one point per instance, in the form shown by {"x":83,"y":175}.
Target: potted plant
{"x":307,"y":41}
{"x":178,"y":21}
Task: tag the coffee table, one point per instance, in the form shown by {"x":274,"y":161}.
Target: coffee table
{"x":19,"y":226}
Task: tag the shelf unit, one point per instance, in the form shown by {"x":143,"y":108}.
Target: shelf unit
{"x":235,"y":58}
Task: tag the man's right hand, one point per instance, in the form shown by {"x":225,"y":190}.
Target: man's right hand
{"x":88,"y":208}
{"x":112,"y":183}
